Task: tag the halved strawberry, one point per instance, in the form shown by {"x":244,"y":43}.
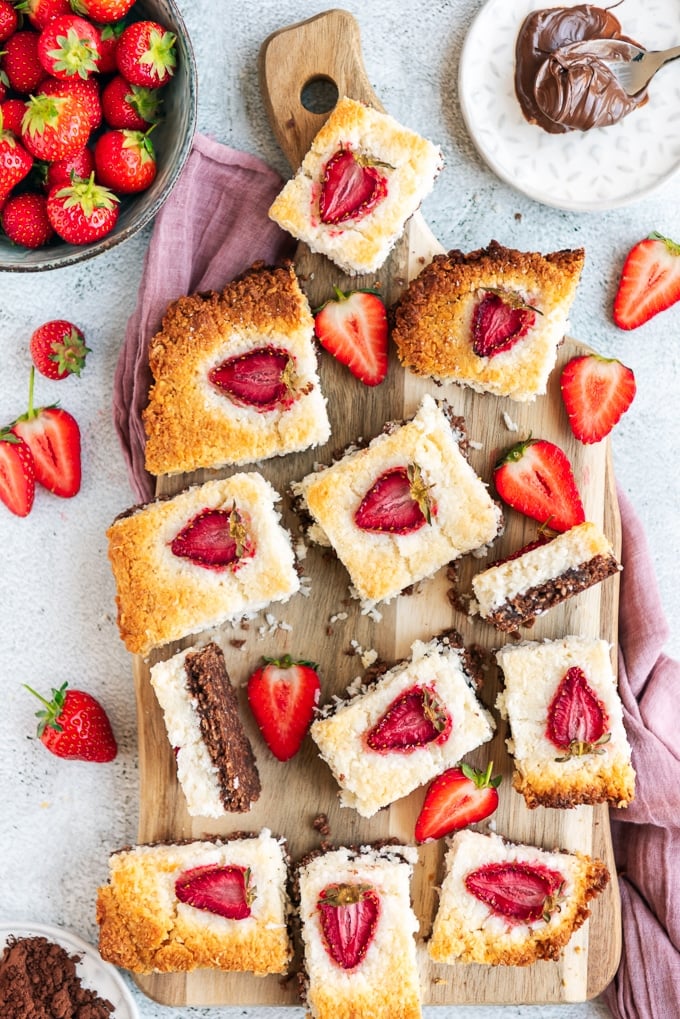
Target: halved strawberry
{"x":596,"y":392}
{"x":283,"y":694}
{"x":351,"y":186}
{"x":348,"y":914}
{"x":17,"y":473}
{"x":399,"y":502}
{"x":520,"y":892}
{"x":262,"y":378}
{"x":650,"y":281}
{"x":577,"y":719}
{"x":535,"y":477}
{"x":353,"y":328}
{"x":499,"y":320}
{"x":54,"y":438}
{"x":416,"y":718}
{"x":455,"y":799}
{"x":215,"y":539}
{"x":226,"y":890}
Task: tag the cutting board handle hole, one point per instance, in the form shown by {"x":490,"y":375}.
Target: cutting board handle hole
{"x":319,"y":94}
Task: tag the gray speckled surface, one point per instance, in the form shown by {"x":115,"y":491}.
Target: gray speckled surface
{"x":61,"y":821}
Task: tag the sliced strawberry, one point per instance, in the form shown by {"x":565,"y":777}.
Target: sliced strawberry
{"x":262,"y":378}
{"x":54,"y":438}
{"x":577,"y":719}
{"x":499,"y":320}
{"x":225,"y":890}
{"x":520,"y":892}
{"x":348,"y":914}
{"x":399,"y":502}
{"x":283,"y":694}
{"x":215,"y":539}
{"x":353,"y":328}
{"x":650,"y":281}
{"x":457,"y":798}
{"x":535,"y":477}
{"x":17,"y":473}
{"x":596,"y":392}
{"x":416,"y":718}
{"x":351,"y":187}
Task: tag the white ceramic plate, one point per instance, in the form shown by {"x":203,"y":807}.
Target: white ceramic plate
{"x":580,"y":171}
{"x":94,"y":973}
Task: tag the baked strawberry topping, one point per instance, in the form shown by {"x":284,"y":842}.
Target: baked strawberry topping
{"x":348,"y":914}
{"x":225,"y":890}
{"x":215,"y":539}
{"x":577,"y":718}
{"x":351,"y":187}
{"x":520,"y":892}
{"x":414,"y":719}
{"x":399,"y":502}
{"x":261,"y":378}
{"x":499,"y":320}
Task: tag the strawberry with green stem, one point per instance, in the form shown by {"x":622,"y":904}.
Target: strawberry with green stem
{"x":457,"y":798}
{"x":215,"y":539}
{"x":262,"y":378}
{"x":578,"y":723}
{"x":17,"y":473}
{"x":649,"y":283}
{"x":348,"y":916}
{"x":596,"y":392}
{"x":352,"y":186}
{"x":132,"y":107}
{"x":146,"y":54}
{"x":73,"y":725}
{"x":353,"y":328}
{"x":82,"y":211}
{"x":535,"y":477}
{"x":69,"y":45}
{"x":53,"y":127}
{"x":398,"y":502}
{"x":125,"y":161}
{"x":500,"y":319}
{"x":53,"y":436}
{"x":283,"y":694}
{"x":58,"y":349}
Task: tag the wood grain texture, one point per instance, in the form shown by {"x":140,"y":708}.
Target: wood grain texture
{"x":294,"y":793}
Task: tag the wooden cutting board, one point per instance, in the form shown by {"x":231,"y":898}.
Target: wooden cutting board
{"x":328,"y":628}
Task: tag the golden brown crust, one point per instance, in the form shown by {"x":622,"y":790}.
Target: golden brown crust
{"x":142,"y":930}
{"x":189,"y":422}
{"x":613,"y":784}
{"x":432,"y":320}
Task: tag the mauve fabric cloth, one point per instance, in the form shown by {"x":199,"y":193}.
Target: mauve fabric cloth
{"x":213,"y":226}
{"x":647,"y":833}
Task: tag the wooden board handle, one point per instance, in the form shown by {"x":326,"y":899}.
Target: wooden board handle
{"x":325,"y":49}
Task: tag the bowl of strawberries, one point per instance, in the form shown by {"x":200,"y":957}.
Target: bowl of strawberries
{"x":98,"y":102}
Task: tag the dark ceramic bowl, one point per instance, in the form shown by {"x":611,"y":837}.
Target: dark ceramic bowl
{"x":172,"y":140}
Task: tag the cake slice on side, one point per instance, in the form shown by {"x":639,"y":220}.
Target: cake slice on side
{"x":509,"y":904}
{"x":235,"y":377}
{"x":213,"y":553}
{"x":491,"y":319}
{"x":566,"y":723}
{"x":358,"y":930}
{"x":362,"y":178}
{"x":514,"y":591}
{"x":215,"y":762}
{"x":416,"y":720}
{"x":400,"y":508}
{"x":176,"y":907}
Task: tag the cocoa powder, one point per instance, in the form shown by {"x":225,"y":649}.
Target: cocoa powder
{"x":38,"y":980}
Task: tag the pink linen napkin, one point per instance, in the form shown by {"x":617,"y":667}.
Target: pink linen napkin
{"x":213,"y":226}
{"x":647,"y":833}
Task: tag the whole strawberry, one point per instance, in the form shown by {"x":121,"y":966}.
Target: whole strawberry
{"x":54,"y":126}
{"x":125,"y":161}
{"x":68,"y":46}
{"x":11,"y":114}
{"x":73,"y":725}
{"x":15,"y":163}
{"x":82,"y":211}
{"x":9,"y":20}
{"x":108,"y":43}
{"x":17,"y":473}
{"x":145,"y":54}
{"x":58,"y":349}
{"x":24,"y":220}
{"x":84,"y":89}
{"x":62,"y":172}
{"x":21,"y":63}
{"x":132,"y":107}
{"x":39,"y":12}
{"x":102,"y":11}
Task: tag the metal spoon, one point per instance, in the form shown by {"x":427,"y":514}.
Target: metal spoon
{"x":633,"y":67}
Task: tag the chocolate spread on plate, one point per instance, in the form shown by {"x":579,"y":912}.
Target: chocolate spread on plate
{"x":559,"y":84}
{"x":38,"y":980}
